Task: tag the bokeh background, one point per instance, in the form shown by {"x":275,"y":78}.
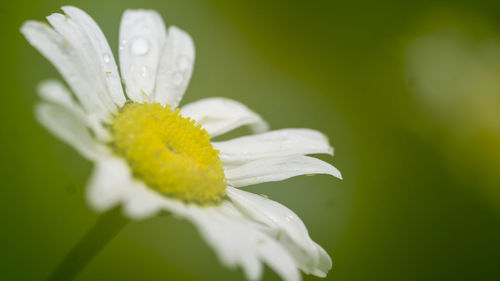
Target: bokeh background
{"x":408,"y":92}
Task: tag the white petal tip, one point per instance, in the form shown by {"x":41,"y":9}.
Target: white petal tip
{"x":335,"y":172}
{"x":30,"y":24}
{"x":68,"y":7}
{"x":319,"y":273}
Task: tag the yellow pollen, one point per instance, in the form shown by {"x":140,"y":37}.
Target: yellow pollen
{"x":171,"y":154}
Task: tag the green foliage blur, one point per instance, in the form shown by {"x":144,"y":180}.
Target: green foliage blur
{"x":408,"y":92}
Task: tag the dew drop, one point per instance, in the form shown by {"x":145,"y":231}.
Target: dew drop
{"x":139,"y":46}
{"x":144,"y":72}
{"x":106,"y":58}
{"x":122,"y":45}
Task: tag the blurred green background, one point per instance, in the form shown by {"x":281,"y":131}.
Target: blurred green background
{"x":409,"y":93}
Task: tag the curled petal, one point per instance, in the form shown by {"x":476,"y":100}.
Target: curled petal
{"x":324,"y":263}
{"x":238,"y":241}
{"x":286,"y":226}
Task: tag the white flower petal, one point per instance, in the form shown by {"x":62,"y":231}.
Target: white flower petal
{"x":283,"y":224}
{"x":142,"y":38}
{"x":53,"y":91}
{"x":69,"y":128}
{"x":221,"y":115}
{"x":71,"y":63}
{"x":142,"y":202}
{"x":56,"y":93}
{"x":324,"y":264}
{"x":176,"y":66}
{"x":112,"y":183}
{"x":238,"y":241}
{"x":235,"y":239}
{"x":101,"y":47}
{"x":108,"y":183}
{"x":156,"y":66}
{"x":273,"y":144}
{"x":277,"y":169}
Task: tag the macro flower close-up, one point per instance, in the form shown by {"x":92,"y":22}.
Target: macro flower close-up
{"x":220,"y":140}
{"x":151,"y":155}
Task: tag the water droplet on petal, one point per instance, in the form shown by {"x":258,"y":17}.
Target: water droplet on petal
{"x":106,"y":58}
{"x":144,"y":72}
{"x":122,"y":45}
{"x":139,"y":46}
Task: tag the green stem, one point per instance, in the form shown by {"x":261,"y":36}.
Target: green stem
{"x":108,"y":225}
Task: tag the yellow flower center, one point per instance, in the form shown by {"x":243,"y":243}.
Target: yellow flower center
{"x":171,"y":154}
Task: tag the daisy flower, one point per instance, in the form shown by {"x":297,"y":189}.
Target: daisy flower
{"x":151,"y":156}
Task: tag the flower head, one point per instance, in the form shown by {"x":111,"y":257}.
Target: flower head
{"x":151,"y":156}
